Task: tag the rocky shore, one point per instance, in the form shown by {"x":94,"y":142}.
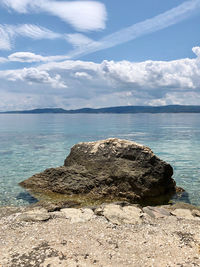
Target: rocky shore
{"x":117,"y":234}
{"x":95,"y":221}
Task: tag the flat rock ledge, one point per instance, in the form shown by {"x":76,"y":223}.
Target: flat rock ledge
{"x":117,"y":234}
{"x":112,"y":168}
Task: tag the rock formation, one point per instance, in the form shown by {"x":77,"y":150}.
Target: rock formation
{"x":112,"y":168}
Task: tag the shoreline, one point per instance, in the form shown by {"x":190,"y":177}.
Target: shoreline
{"x":107,"y":235}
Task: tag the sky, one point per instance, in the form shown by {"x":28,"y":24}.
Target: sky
{"x":75,"y":54}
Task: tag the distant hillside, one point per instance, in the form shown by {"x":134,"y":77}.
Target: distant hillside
{"x":37,"y":111}
{"x":121,"y":110}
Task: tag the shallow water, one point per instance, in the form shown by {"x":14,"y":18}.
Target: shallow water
{"x":30,"y":143}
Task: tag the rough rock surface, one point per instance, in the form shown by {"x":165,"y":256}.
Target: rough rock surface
{"x":35,"y":215}
{"x":120,"y":215}
{"x":111,"y":235}
{"x":78,"y":215}
{"x":108,"y":168}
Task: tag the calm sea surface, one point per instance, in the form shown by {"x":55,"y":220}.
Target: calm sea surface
{"x":32,"y":143}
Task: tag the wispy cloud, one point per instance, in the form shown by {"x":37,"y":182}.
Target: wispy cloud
{"x":9,"y":32}
{"x":159,"y":22}
{"x":79,"y":40}
{"x":3,"y":59}
{"x":82,"y":15}
{"x":81,"y":43}
{"x":5,"y":37}
{"x":36,"y":32}
{"x":17,"y":5}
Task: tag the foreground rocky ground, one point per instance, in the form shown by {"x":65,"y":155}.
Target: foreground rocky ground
{"x":109,"y":235}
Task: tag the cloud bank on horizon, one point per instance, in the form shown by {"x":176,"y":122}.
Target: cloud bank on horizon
{"x":61,"y":80}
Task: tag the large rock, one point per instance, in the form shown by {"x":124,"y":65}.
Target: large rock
{"x":111,"y":168}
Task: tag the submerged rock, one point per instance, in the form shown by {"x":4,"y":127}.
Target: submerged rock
{"x":111,"y":168}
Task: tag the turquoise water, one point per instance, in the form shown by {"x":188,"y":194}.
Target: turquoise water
{"x":31,"y":143}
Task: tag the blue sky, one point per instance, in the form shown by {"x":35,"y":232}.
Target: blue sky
{"x":74,"y":54}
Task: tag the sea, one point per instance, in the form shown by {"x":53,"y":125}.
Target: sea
{"x":30,"y":143}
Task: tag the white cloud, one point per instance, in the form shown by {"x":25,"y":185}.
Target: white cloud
{"x":25,"y":57}
{"x":108,"y":83}
{"x":82,"y":15}
{"x":70,"y":65}
{"x":196,"y":51}
{"x":83,"y":75}
{"x":29,"y":57}
{"x":148,"y":76}
{"x":34,"y":76}
{"x":154,"y":74}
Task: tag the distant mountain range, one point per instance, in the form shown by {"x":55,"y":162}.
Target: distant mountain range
{"x":121,"y":110}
